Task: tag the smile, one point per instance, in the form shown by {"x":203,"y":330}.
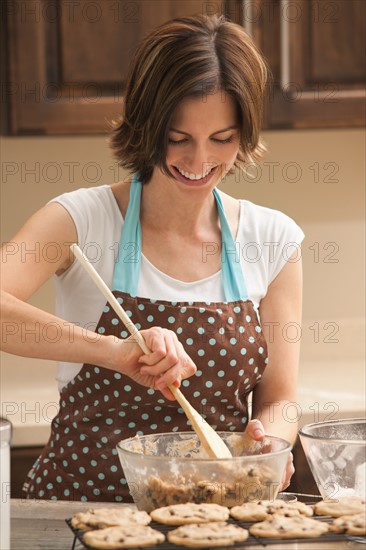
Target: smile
{"x":187,"y":177}
{"x":193,"y":176}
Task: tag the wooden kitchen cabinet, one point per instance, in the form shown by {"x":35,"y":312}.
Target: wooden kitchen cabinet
{"x":316,"y":52}
{"x":22,"y":460}
{"x":302,"y":481}
{"x":67,"y":59}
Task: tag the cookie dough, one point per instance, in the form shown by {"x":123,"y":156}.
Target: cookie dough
{"x":226,"y":485}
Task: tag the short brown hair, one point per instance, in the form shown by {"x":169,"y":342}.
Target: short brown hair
{"x":188,"y":56}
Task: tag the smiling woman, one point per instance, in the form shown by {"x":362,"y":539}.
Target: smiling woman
{"x":190,"y":57}
{"x":170,"y":247}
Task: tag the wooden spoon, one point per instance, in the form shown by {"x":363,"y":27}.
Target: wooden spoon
{"x":211,"y":441}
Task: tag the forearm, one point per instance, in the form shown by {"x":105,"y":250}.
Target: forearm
{"x":279,"y":418}
{"x":26,"y":331}
{"x":31,"y":332}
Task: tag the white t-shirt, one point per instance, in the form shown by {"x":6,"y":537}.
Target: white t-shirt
{"x":265,"y":240}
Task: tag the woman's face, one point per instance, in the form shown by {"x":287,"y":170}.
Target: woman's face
{"x":203,"y":140}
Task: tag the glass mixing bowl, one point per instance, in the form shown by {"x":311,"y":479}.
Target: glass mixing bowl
{"x":336,"y":453}
{"x":171,"y":468}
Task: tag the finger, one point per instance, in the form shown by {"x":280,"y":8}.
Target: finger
{"x":162,"y":384}
{"x":170,"y":358}
{"x":169,"y":378}
{"x":188,"y":367}
{"x":182,"y":369}
{"x":255,"y":429}
{"x":167,"y":394}
{"x":156,"y":340}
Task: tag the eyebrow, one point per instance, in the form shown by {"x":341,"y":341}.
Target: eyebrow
{"x":235,"y":127}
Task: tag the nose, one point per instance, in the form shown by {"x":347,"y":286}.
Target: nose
{"x":199,"y":159}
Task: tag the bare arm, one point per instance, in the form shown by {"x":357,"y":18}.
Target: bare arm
{"x":27,"y":330}
{"x":274,"y":398}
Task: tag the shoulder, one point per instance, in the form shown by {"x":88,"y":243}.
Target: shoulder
{"x":254,"y":222}
{"x":268,"y":238}
{"x":86,"y":196}
{"x":90,"y":206}
{"x":268,"y":223}
{"x":94,"y":211}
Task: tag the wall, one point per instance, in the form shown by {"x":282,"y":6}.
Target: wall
{"x":317,"y":177}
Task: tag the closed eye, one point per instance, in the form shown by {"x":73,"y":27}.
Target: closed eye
{"x":176,"y":141}
{"x":227,"y":140}
{"x":184,"y":140}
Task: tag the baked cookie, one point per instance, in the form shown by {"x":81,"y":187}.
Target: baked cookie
{"x":180,"y":514}
{"x":350,"y":525}
{"x":262,"y":509}
{"x":288,"y":509}
{"x":136,"y":536}
{"x":281,"y":527}
{"x":250,"y":511}
{"x":208,"y":535}
{"x":98,"y":518}
{"x":345,"y":506}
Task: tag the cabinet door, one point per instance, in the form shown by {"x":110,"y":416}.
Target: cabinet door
{"x":22,"y":460}
{"x":316,"y":52}
{"x":68,"y":59}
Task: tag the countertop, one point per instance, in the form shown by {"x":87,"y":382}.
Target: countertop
{"x":37,"y":525}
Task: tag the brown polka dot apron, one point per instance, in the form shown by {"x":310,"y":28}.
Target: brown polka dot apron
{"x":100,"y":407}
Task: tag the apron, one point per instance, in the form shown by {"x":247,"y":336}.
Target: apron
{"x":100,"y":407}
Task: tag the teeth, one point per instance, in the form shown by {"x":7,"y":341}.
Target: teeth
{"x":193,"y":176}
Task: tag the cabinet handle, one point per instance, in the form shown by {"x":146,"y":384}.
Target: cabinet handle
{"x":249,"y":17}
{"x":284,"y":46}
{"x":247,"y":11}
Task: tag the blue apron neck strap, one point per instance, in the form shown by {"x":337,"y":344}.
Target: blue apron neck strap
{"x":232,"y":274}
{"x":127,"y":267}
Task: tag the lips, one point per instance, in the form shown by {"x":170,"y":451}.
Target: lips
{"x":194,"y":182}
{"x":193,"y":176}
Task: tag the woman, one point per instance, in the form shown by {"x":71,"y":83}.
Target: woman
{"x":170,"y":245}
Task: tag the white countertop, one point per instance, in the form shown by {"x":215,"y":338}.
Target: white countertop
{"x":30,"y":416}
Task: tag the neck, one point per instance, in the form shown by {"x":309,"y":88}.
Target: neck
{"x":166,"y":207}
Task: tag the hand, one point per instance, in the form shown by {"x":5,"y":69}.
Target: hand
{"x":255,"y":430}
{"x":167,"y":364}
{"x":288,"y":473}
